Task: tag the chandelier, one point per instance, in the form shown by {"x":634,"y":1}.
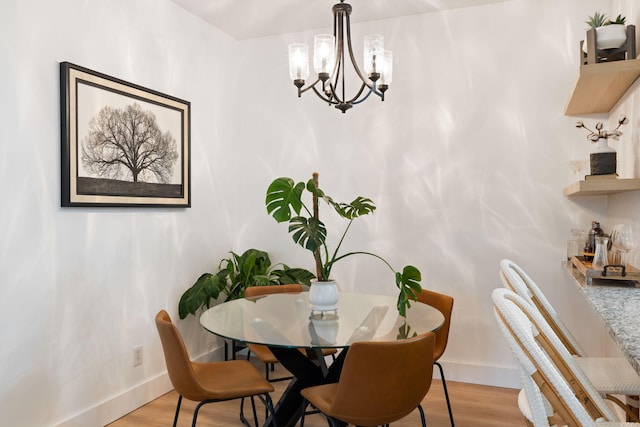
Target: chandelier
{"x":329,"y":62}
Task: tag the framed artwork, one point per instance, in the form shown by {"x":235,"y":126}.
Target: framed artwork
{"x":122,"y":144}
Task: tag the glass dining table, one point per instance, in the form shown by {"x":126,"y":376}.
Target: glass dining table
{"x":286,"y":324}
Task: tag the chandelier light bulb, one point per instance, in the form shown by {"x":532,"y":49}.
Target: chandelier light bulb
{"x":324,"y":54}
{"x":373,"y":52}
{"x":298,"y":61}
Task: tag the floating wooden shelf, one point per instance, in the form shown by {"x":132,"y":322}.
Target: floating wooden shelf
{"x":595,"y":187}
{"x":600,"y":86}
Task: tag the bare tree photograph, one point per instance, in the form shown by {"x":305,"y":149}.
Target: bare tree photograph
{"x":122,"y":144}
{"x":128,"y":143}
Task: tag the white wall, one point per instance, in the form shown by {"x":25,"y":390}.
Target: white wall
{"x":466,"y":161}
{"x":80,"y":287}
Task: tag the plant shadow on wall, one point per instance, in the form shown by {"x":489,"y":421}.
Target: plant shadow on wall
{"x":234,"y":275}
{"x":284,"y":202}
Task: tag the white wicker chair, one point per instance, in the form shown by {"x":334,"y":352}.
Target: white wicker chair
{"x":513,"y":277}
{"x":549,"y":370}
{"x":609,"y":375}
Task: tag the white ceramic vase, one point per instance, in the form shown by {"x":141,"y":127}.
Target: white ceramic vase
{"x":603,"y":146}
{"x":323,"y":296}
{"x":610,"y":36}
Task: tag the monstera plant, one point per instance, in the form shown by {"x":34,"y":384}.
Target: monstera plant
{"x":284,"y":202}
{"x":234,"y":275}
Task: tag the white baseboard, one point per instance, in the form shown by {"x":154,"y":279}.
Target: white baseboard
{"x":130,"y":400}
{"x":496,"y":376}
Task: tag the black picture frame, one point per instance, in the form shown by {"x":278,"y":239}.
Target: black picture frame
{"x":122,"y":144}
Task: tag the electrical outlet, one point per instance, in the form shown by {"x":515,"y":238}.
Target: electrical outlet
{"x":137,"y":355}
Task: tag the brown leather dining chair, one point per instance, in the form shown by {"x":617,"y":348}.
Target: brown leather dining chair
{"x":381,"y":382}
{"x":444,"y":304}
{"x":209,"y":382}
{"x":262,"y":352}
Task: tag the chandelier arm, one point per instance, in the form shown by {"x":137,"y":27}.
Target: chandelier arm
{"x":301,"y":91}
{"x":337,"y":71}
{"x":353,"y":59}
{"x":334,"y":95}
{"x":355,"y":100}
{"x":342,"y":64}
{"x":373,"y":90}
{"x":337,"y":41}
{"x":338,"y":34}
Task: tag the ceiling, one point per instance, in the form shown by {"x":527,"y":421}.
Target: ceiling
{"x":245,"y":19}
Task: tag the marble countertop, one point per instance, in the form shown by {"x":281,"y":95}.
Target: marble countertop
{"x":618,"y":305}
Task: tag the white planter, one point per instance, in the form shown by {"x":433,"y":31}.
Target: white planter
{"x":323,"y":296}
{"x":610,"y":36}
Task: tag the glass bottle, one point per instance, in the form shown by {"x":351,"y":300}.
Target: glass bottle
{"x":590,"y":246}
{"x":600,"y":256}
{"x":575,"y":244}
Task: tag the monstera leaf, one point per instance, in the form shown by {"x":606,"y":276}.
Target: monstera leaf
{"x":308,"y":233}
{"x":408,"y":283}
{"x":360,"y":206}
{"x":283,"y":196}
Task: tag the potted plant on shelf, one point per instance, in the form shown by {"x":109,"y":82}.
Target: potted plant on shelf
{"x":234,"y":275}
{"x":284,"y":203}
{"x":608,"y":36}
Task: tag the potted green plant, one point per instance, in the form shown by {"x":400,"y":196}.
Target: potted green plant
{"x":234,"y":275}
{"x":284,"y":202}
{"x":609,"y":34}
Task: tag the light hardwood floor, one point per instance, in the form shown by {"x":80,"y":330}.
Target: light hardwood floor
{"x":473,"y":405}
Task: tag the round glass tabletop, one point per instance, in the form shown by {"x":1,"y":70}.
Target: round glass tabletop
{"x":286,"y":320}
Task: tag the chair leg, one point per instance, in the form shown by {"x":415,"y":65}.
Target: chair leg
{"x":243,"y":419}
{"x":446,"y":393}
{"x":269,"y":404}
{"x":175,"y":419}
{"x":195,"y":412}
{"x":305,"y":403}
{"x":269,"y":409}
{"x":253,"y":407}
{"x":424,"y":422}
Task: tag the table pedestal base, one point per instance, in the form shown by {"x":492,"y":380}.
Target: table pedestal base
{"x":306,"y":373}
